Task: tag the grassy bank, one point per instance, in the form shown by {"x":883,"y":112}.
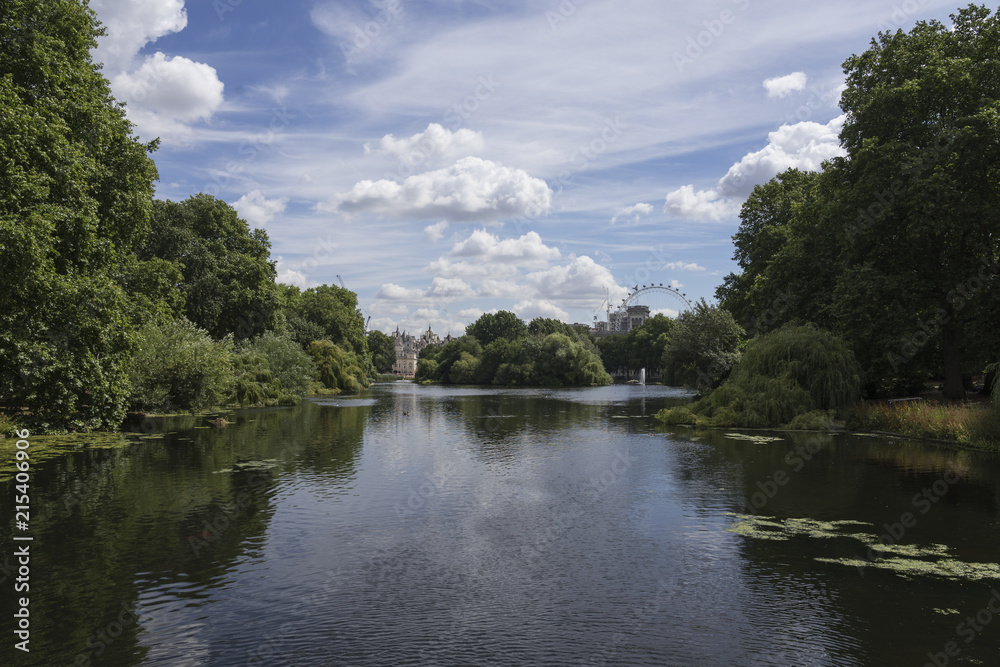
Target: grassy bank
{"x":972,"y":424}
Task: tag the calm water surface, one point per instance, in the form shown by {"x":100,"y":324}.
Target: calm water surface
{"x":441,"y":526}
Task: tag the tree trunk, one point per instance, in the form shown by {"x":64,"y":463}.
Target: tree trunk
{"x":953,"y":387}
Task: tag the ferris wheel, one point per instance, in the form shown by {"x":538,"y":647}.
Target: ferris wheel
{"x":660,"y":299}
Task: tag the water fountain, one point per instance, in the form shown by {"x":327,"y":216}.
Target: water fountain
{"x":642,"y":376}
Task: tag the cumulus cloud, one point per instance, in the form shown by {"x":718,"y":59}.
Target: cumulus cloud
{"x":450,"y":288}
{"x":803,"y":146}
{"x":632,"y":211}
{"x":532,"y":308}
{"x":130,"y":25}
{"x":167,"y":93}
{"x":681,"y":266}
{"x":433,"y":145}
{"x":257,"y":209}
{"x":579,"y":284}
{"x":783,"y":86}
{"x":685,"y":202}
{"x":527,"y":251}
{"x":289,"y":276}
{"x":394,"y":292}
{"x":471,"y":189}
{"x":436,"y":231}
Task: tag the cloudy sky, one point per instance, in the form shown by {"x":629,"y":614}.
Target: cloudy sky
{"x":452,"y":157}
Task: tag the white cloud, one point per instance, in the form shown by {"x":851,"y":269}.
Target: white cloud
{"x":436,"y":231}
{"x":289,"y":276}
{"x":130,"y":25}
{"x":167,"y":93}
{"x":783,"y":86}
{"x":701,"y":205}
{"x":471,"y":189}
{"x":532,"y":308}
{"x":681,"y":266}
{"x":433,"y":145}
{"x":471,"y":314}
{"x":394,"y":292}
{"x":579,"y":284}
{"x":803,"y":145}
{"x":450,"y":288}
{"x":636,"y":210}
{"x":527,"y":251}
{"x":501,"y":289}
{"x":257,"y":209}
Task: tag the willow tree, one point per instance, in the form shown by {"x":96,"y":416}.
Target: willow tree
{"x":922,"y":134}
{"x":75,"y":193}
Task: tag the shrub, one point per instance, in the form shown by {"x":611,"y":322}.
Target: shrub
{"x":339,"y":369}
{"x":290,"y":365}
{"x":789,"y":374}
{"x":179,"y":367}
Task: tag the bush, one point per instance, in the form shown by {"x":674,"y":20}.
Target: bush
{"x":701,"y":348}
{"x":787,"y":377}
{"x":290,"y":365}
{"x":339,"y":370}
{"x":179,"y":367}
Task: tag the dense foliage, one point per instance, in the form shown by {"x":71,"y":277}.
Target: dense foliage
{"x":702,"y":347}
{"x":894,"y":247}
{"x":642,"y":347}
{"x":544,"y":353}
{"x":75,"y":193}
{"x":783,"y":378}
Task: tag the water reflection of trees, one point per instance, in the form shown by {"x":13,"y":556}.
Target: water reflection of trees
{"x":811,"y":611}
{"x":110,"y":523}
{"x":498,"y":424}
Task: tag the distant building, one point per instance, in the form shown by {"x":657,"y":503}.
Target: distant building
{"x":408,"y":349}
{"x":621,"y":321}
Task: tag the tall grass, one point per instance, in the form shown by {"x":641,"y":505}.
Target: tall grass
{"x":973,"y":424}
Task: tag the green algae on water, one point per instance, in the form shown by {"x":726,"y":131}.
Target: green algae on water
{"x":905,"y":560}
{"x":755,"y":439}
{"x":45,"y":447}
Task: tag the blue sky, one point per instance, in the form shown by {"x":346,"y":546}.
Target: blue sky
{"x":452,"y":157}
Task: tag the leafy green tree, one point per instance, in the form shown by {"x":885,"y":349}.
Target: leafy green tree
{"x":567,"y":361}
{"x":293,"y":369}
{"x":383,"y":351}
{"x":924,"y":153}
{"x":75,"y":192}
{"x":794,"y":376}
{"x":491,"y":326}
{"x":180,"y":367}
{"x":228,"y":276}
{"x":339,"y":369}
{"x":616,"y":353}
{"x":464,"y":370}
{"x":327,"y":312}
{"x":703,"y":347}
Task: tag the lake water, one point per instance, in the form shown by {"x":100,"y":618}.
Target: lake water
{"x":459,"y":526}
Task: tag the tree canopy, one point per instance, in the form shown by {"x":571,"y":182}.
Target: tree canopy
{"x":895,"y":246}
{"x":75,"y":196}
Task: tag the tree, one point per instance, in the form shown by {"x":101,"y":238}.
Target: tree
{"x":327,"y":312}
{"x":228,"y":276}
{"x":75,"y":192}
{"x":703,"y":347}
{"x":383,"y":351}
{"x":491,"y":326}
{"x":923,"y":142}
